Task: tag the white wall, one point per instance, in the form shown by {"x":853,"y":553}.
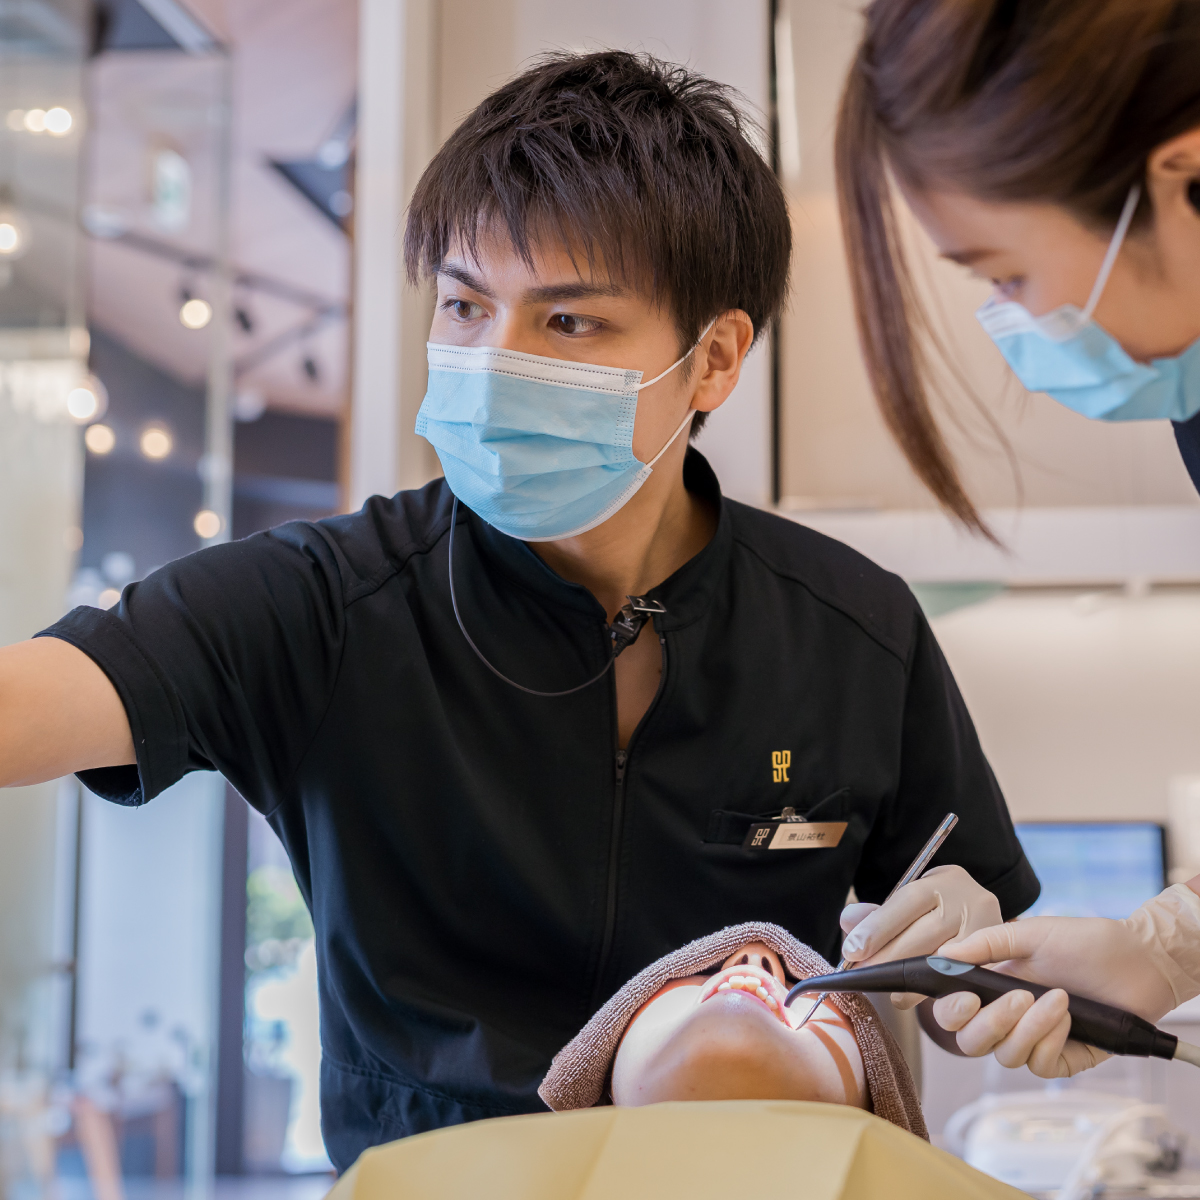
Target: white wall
{"x":150,"y":920}
{"x":1086,"y":703}
{"x":472,"y":47}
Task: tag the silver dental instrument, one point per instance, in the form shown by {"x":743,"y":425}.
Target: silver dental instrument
{"x":931,"y":847}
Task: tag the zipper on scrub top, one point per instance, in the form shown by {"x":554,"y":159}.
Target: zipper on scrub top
{"x":614,"y":846}
{"x":614,"y":857}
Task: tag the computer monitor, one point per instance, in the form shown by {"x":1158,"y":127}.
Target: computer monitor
{"x":1094,"y":868}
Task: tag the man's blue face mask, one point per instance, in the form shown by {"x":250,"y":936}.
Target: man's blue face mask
{"x":540,"y":448}
{"x":1067,"y":355}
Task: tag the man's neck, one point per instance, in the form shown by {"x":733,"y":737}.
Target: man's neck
{"x":662,"y":527}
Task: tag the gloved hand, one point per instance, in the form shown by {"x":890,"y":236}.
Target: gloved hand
{"x":1148,"y":963}
{"x":944,"y":903}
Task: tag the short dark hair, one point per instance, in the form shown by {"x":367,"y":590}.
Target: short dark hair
{"x":640,"y":163}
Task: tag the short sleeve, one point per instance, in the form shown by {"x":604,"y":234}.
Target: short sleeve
{"x":943,"y":769}
{"x":224,"y":660}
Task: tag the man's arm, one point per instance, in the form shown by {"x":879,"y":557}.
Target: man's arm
{"x":58,"y":714}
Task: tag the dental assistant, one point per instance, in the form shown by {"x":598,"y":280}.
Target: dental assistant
{"x":1053,"y":149}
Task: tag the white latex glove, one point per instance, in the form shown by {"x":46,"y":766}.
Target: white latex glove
{"x":944,"y":903}
{"x":1148,"y":964}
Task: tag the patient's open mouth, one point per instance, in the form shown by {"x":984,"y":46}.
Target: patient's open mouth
{"x":751,"y":982}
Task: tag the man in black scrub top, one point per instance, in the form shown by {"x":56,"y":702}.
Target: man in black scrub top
{"x":484,"y":865}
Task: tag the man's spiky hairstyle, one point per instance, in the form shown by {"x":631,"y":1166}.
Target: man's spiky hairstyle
{"x":627,"y":161}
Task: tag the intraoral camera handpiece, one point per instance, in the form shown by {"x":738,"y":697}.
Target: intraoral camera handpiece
{"x":1096,"y":1024}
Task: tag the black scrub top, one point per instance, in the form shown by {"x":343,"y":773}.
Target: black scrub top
{"x":483,"y":867}
{"x":1187,"y":436}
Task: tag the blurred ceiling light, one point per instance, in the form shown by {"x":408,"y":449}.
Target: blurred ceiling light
{"x":195,"y":313}
{"x":99,"y":439}
{"x":15,"y":119}
{"x":108,"y":597}
{"x":88,"y":401}
{"x":207,"y":524}
{"x":35,"y":120}
{"x":58,"y":122}
{"x":155,"y":442}
{"x":14,"y":233}
{"x":341,"y":203}
{"x":118,"y":567}
{"x":249,"y":404}
{"x":333,"y":153}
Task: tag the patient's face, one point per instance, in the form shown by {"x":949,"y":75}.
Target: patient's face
{"x":728,"y":1037}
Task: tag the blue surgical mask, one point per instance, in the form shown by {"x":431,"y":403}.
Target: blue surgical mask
{"x":540,"y":448}
{"x":1067,"y":355}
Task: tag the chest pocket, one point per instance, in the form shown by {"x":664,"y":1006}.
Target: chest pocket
{"x":730,"y":828}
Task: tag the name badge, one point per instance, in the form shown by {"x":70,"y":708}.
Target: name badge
{"x":794,"y":835}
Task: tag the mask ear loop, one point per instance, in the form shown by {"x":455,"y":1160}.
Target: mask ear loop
{"x":691,"y":412}
{"x":695,"y":347}
{"x":1114,"y":248}
{"x":687,"y":420}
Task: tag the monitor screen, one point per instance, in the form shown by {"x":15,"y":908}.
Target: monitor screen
{"x":1093,"y":869}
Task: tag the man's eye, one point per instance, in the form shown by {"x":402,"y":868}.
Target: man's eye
{"x":464,"y":310}
{"x":570,"y":324}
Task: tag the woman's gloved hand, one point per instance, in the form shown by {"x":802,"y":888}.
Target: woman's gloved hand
{"x":922,"y":916}
{"x":1148,"y":963}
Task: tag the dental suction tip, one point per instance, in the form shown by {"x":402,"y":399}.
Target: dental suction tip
{"x":1188,"y":1053}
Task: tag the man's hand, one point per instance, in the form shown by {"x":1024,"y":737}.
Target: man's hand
{"x":944,"y":903}
{"x":58,"y":714}
{"x":1109,"y":961}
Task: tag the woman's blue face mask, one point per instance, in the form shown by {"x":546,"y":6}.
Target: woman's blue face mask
{"x":540,"y":448}
{"x":1067,"y":355}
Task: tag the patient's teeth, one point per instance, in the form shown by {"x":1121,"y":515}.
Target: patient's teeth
{"x":771,"y":1002}
{"x":724,"y":987}
{"x":736,"y":980}
{"x":761,"y":993}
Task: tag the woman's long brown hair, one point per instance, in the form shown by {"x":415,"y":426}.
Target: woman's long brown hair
{"x":1048,"y":101}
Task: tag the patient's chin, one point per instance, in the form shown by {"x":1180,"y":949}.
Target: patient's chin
{"x":724,"y":1051}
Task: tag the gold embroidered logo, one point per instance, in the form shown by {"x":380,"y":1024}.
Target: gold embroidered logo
{"x":780,"y":761}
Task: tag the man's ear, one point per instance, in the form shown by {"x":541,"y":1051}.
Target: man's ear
{"x":719,"y":359}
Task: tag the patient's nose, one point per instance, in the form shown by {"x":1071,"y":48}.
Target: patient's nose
{"x":756,"y":954}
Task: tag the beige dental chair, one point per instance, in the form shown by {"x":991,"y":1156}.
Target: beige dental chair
{"x":693,"y":1150}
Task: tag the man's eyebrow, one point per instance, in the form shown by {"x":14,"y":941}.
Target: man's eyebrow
{"x":547,"y":294}
{"x":966,"y":258}
{"x":466,"y":278}
{"x":581,"y":290}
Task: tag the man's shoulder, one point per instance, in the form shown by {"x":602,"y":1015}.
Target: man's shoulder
{"x":834,"y":574}
{"x":378,"y":541}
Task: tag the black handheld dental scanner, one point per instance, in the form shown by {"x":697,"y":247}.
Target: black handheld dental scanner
{"x":1096,"y":1024}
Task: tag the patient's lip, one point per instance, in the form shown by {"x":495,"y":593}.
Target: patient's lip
{"x":766,"y":982}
